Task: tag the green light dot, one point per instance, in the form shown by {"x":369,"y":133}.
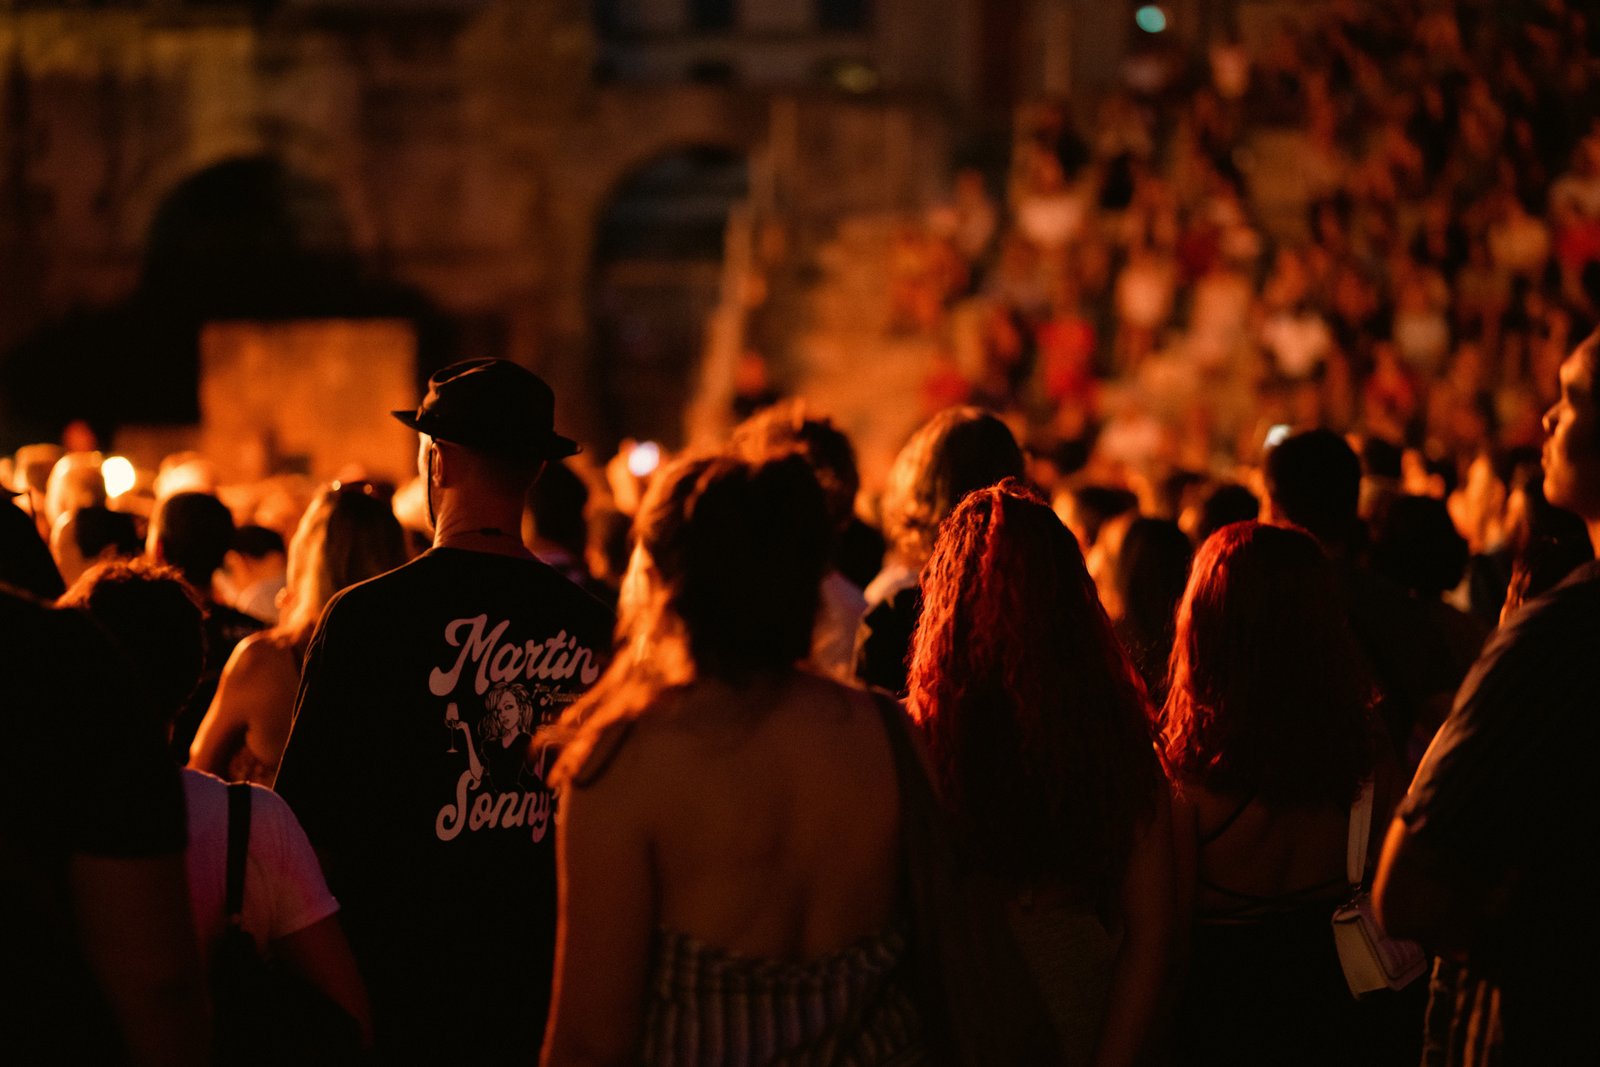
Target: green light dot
{"x":1150,"y":18}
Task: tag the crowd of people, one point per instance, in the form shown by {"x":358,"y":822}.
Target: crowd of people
{"x":1063,"y":745}
{"x":1382,"y":218}
{"x":493,"y":817}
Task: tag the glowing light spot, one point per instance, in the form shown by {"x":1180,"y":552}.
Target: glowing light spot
{"x":119,"y":475}
{"x":1150,"y":18}
{"x":644,"y":458}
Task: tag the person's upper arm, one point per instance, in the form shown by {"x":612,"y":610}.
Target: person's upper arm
{"x":1454,"y":836}
{"x":606,"y":922}
{"x":239,"y":702}
{"x":1143,"y":961}
{"x":320,"y":954}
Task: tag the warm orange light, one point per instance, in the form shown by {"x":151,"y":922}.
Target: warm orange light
{"x":119,"y":475}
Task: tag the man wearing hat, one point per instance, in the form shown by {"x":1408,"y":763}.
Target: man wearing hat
{"x":412,"y":762}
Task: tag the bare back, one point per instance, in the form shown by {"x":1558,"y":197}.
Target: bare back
{"x":1250,"y":850}
{"x":772,"y":817}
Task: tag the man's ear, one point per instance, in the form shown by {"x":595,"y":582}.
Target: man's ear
{"x":443,"y":463}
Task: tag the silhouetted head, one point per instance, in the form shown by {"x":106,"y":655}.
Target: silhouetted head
{"x":787,"y":427}
{"x":192,"y":532}
{"x":155,"y":618}
{"x":1314,"y":482}
{"x":732,"y":552}
{"x":955,"y":452}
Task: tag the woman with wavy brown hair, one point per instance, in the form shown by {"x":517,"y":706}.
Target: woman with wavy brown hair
{"x":729,"y":821}
{"x":1268,"y":735}
{"x":1042,"y":747}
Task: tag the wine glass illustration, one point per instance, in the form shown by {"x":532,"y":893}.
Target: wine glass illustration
{"x":452,"y":720}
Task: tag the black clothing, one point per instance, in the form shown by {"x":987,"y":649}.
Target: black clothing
{"x":83,"y":772}
{"x":883,"y":644}
{"x":442,"y":857}
{"x":1506,"y":794}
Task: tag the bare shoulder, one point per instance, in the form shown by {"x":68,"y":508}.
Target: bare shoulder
{"x":268,"y":652}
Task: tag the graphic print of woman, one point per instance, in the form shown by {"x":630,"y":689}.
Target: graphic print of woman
{"x":508,"y":760}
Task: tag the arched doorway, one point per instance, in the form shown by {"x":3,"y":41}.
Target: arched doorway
{"x":657,"y":272}
{"x":247,"y":238}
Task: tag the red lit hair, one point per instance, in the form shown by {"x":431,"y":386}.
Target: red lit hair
{"x":1034,"y":718}
{"x":1269,"y":697}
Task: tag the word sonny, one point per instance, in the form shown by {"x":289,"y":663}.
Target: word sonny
{"x":487,"y":811}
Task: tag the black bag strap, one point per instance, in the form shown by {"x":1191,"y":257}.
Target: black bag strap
{"x":238,"y":848}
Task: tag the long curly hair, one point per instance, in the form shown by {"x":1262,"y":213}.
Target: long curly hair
{"x":1036,"y":723}
{"x":1269,"y":697}
{"x":728,"y":559}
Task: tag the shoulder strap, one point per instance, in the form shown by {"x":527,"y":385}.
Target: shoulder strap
{"x":1233,"y":817}
{"x":1355,"y":856}
{"x":238,"y":847}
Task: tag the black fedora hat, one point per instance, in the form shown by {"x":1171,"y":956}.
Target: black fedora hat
{"x":494,"y":406}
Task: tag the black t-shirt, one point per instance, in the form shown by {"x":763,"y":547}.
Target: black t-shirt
{"x":438,"y":839}
{"x":883,"y":642}
{"x":83,"y":772}
{"x":1506,"y":792}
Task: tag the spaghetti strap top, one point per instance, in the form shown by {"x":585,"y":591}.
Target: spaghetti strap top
{"x":851,"y":1008}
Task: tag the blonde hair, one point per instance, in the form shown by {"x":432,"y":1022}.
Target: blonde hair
{"x":958,"y":450}
{"x":347,"y":535}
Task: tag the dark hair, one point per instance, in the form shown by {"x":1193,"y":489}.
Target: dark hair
{"x":1151,"y":573}
{"x":723,"y":584}
{"x":155,"y":618}
{"x":1269,"y":697}
{"x":955,"y":452}
{"x":1416,"y":544}
{"x":787,"y":427}
{"x":556,"y":502}
{"x":95,"y":529}
{"x":1036,"y":723}
{"x":1381,"y":458}
{"x":257,"y":542}
{"x":194,"y":531}
{"x":739,"y":550}
{"x":1226,"y":503}
{"x":1314,"y":481}
{"x":1095,"y":505}
{"x":25,"y":560}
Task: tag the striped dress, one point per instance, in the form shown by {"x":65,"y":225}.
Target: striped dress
{"x":852,"y":1008}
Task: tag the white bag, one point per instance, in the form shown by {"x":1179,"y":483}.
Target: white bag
{"x":1371,"y":959}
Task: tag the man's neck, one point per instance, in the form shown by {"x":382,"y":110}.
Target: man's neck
{"x":496,"y":531}
{"x":1594,"y":535}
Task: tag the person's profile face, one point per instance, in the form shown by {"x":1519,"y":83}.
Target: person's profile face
{"x":1572,"y":438}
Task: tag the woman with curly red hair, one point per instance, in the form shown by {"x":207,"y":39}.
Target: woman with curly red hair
{"x":1268,"y":735}
{"x":1041,"y":744}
